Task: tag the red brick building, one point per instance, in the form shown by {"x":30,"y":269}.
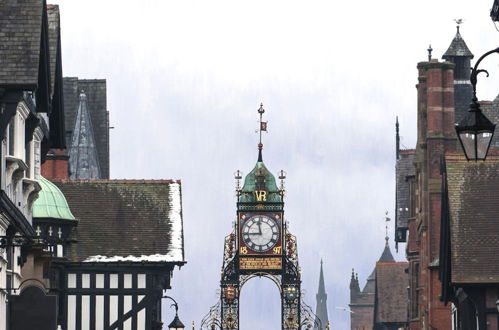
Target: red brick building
{"x":362,"y":302}
{"x":443,"y":96}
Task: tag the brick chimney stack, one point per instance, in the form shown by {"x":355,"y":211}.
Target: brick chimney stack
{"x":436,"y":136}
{"x":56,"y":165}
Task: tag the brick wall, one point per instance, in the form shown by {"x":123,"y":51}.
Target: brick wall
{"x":362,"y":317}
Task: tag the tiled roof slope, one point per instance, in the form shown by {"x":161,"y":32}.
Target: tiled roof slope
{"x":20,"y":33}
{"x":404,"y":167}
{"x":391,"y":292}
{"x":473,"y":189}
{"x":95,"y":90}
{"x":122,"y":218}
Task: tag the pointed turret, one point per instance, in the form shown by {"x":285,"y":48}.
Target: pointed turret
{"x":459,"y":54}
{"x":321,"y":307}
{"x":386,"y":256}
{"x":83,"y":159}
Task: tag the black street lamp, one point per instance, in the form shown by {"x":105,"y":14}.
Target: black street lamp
{"x":176,"y":324}
{"x":475,"y":131}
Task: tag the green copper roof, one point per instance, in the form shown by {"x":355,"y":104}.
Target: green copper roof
{"x":267,"y":183}
{"x":51,"y":202}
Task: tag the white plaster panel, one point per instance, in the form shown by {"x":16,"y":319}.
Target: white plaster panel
{"x":71,"y":312}
{"x":85,"y":312}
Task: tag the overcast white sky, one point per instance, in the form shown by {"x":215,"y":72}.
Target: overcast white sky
{"x":185,"y":79}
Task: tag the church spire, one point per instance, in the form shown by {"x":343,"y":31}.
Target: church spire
{"x":83,"y":161}
{"x":321,"y":307}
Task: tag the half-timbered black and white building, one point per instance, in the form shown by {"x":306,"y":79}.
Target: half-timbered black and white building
{"x":128,"y":240}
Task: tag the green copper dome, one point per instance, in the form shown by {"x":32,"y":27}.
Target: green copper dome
{"x":51,"y":202}
{"x":260,"y":178}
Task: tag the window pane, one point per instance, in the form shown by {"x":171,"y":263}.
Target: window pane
{"x":483,"y":141}
{"x":468,"y":141}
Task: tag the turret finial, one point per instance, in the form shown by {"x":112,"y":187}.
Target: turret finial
{"x":397,"y":139}
{"x":263,"y":128}
{"x":429,"y":53}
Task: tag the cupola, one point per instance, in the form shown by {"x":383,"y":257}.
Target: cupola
{"x":258,"y":180}
{"x":260,"y":185}
{"x":51,"y":202}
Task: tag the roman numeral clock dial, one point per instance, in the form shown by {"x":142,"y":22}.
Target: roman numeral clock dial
{"x":260,"y":233}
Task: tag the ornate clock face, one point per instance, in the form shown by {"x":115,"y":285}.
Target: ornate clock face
{"x":260,"y":233}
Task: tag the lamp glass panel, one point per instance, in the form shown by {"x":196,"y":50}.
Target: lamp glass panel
{"x":482,"y":144}
{"x":468,"y":141}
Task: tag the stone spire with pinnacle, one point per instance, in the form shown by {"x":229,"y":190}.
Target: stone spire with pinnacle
{"x":83,"y":161}
{"x":321,"y":307}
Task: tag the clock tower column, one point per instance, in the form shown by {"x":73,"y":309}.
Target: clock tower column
{"x":260,"y":245}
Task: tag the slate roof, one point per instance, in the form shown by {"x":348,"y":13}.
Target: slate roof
{"x":127,"y":220}
{"x":386,"y":256}
{"x":20,"y":32}
{"x":491,"y":110}
{"x":473,"y":189}
{"x":391,"y":292}
{"x":95,"y":90}
{"x":54,"y":40}
{"x":457,"y":48}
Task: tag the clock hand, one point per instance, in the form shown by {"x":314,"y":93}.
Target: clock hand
{"x":260,"y":226}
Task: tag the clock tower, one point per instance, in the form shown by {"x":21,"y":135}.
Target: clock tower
{"x":260,"y":246}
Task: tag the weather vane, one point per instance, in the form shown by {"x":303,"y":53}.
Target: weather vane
{"x":458,"y":21}
{"x":263,"y":125}
{"x":386,"y":226}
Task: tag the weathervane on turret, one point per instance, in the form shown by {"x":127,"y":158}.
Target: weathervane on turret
{"x":263,"y":128}
{"x":386,"y":227}
{"x":458,"y":21}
